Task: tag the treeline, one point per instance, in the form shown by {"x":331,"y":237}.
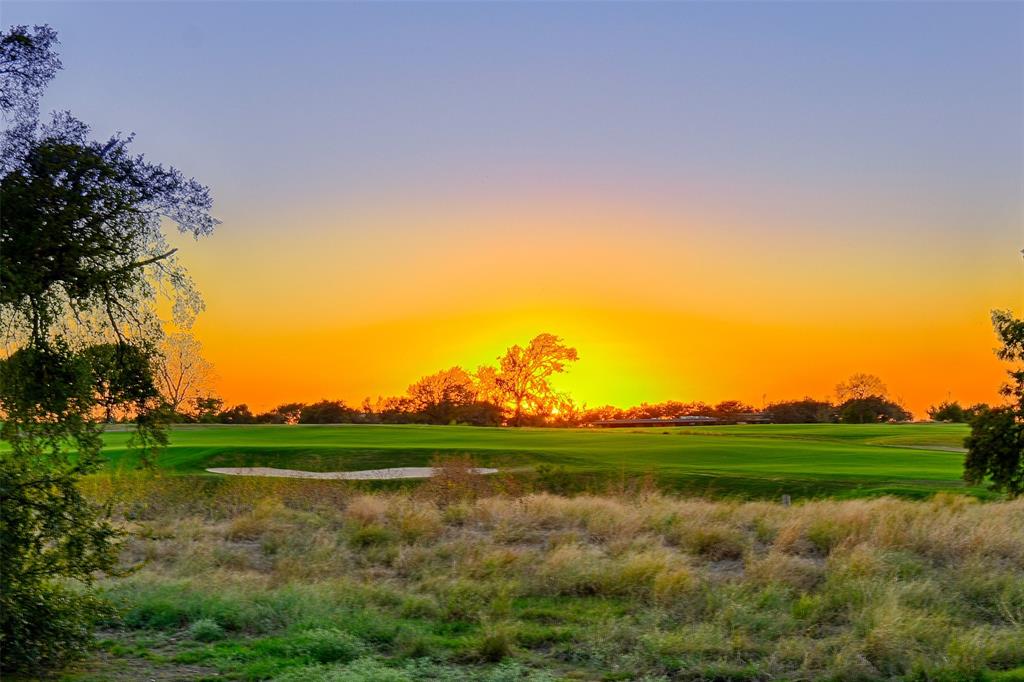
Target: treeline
{"x":516,"y":391}
{"x":455,"y":396}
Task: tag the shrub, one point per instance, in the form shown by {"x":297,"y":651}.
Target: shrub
{"x":673,"y":586}
{"x":712,"y":542}
{"x":371,"y":536}
{"x":46,"y":625}
{"x":327,"y":645}
{"x":455,"y":480}
{"x":784,"y":569}
{"x":206,"y":630}
{"x":496,"y":643}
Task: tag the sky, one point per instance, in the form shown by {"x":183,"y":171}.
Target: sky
{"x":708,"y":200}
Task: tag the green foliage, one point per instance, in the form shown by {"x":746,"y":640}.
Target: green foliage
{"x":372,"y":535}
{"x":497,"y":643}
{"x":995,"y":451}
{"x":995,"y":448}
{"x":48,"y":530}
{"x":326,"y":645}
{"x":206,"y":630}
{"x":82,"y":257}
{"x":45,"y":623}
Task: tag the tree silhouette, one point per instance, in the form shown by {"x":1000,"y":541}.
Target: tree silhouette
{"x":522,"y":380}
{"x":439,"y":396}
{"x":183,"y":374}
{"x":860,"y":386}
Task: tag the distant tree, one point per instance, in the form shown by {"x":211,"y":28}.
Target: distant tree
{"x":286,"y":413}
{"x":522,"y":381}
{"x":947,"y":411}
{"x":183,"y":373}
{"x":871,"y":410}
{"x":860,"y":386}
{"x":667,"y":409}
{"x":439,"y":396}
{"x":806,"y":411}
{"x":123,"y":378}
{"x":477,"y":413}
{"x":84,"y":261}
{"x":995,"y":448}
{"x":731,"y":409}
{"x":328,"y":412}
{"x":239,"y":414}
{"x":596,"y":414}
{"x":395,"y":410}
{"x":974,"y":410}
{"x":205,"y":408}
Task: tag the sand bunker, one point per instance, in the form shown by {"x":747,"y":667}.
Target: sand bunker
{"x":366,"y":475}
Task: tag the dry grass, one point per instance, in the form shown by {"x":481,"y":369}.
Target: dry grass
{"x":640,"y":585}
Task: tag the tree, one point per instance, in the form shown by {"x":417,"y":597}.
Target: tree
{"x":522,"y":380}
{"x":995,"y":448}
{"x":860,"y":386}
{"x":439,"y":396}
{"x":806,"y":411}
{"x":28,"y":62}
{"x":183,"y":373}
{"x":871,"y":410}
{"x":947,"y":411}
{"x":328,"y":412}
{"x":731,"y":409}
{"x":205,"y":409}
{"x":122,"y":376}
{"x":239,"y":414}
{"x":83,"y":261}
{"x":287,"y":413}
{"x":974,"y":410}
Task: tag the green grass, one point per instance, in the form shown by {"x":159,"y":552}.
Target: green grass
{"x":814,"y":460}
{"x":250,"y":580}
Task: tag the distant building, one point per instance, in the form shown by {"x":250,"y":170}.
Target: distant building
{"x":749,"y":418}
{"x":694,"y":420}
{"x":686,"y":420}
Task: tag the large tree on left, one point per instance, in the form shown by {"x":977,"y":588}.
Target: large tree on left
{"x":83,"y":264}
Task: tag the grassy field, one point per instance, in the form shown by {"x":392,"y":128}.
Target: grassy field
{"x":494,"y":579}
{"x":748,"y":460}
{"x":314,"y":581}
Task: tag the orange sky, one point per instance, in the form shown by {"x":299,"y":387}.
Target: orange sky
{"x":666,"y":304}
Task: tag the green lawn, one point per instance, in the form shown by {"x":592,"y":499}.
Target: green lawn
{"x":746,"y":460}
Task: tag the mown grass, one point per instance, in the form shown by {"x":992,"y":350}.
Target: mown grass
{"x":301,"y":580}
{"x":753,"y":461}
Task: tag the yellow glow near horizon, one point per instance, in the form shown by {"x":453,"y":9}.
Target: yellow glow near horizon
{"x":660,"y":304}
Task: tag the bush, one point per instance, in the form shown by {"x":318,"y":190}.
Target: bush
{"x":46,"y":625}
{"x":327,"y":645}
{"x":496,"y":643}
{"x":206,"y":630}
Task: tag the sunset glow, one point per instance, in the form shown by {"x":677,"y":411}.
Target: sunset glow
{"x":708,"y":201}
